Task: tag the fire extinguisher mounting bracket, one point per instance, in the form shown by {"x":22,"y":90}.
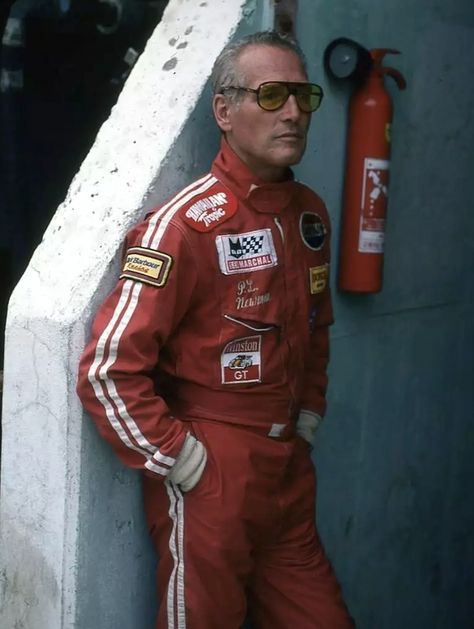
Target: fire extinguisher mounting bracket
{"x":346,"y":59}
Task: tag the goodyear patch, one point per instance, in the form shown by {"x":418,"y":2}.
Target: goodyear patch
{"x":313,"y":230}
{"x":147,"y":265}
{"x":318,"y":278}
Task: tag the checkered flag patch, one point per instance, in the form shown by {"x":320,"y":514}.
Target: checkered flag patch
{"x":252,"y":244}
{"x":246,"y":253}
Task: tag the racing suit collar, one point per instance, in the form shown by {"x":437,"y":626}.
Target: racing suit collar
{"x":262,"y":196}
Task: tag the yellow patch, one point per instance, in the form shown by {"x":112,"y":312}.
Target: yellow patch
{"x":318,"y":278}
{"x":147,"y":265}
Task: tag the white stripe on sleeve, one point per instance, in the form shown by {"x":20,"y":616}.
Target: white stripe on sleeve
{"x":125,"y":309}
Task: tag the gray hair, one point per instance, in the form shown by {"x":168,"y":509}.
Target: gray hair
{"x":224,"y":72}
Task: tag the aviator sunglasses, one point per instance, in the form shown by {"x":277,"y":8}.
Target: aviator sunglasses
{"x":272,"y":95}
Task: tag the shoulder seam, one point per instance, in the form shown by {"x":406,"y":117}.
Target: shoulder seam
{"x":159,"y":221}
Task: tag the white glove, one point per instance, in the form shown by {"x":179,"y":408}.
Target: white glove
{"x":189,"y":465}
{"x":307,"y":424}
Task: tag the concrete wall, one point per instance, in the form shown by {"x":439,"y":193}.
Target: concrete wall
{"x":395,"y":456}
{"x":73,"y":543}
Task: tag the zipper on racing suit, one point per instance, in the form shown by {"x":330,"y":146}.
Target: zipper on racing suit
{"x":279,"y":226}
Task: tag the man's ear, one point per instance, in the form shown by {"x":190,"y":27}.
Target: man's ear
{"x":221,"y":109}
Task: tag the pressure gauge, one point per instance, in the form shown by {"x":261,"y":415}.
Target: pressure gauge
{"x":346,"y":59}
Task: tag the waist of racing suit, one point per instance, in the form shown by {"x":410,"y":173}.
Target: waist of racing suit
{"x":244,"y":407}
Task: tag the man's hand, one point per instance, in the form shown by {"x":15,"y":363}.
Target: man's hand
{"x":190,"y":464}
{"x":307,"y":424}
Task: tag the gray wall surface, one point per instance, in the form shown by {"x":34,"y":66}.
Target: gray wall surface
{"x":73,"y":543}
{"x":116,"y":574}
{"x":395,"y":456}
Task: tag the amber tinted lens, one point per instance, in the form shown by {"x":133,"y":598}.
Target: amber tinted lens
{"x":308,"y":97}
{"x":271,"y":96}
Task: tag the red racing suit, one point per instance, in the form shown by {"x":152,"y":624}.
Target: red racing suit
{"x":218,"y":327}
{"x":221,"y":312}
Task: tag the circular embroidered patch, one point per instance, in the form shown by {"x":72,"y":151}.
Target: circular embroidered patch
{"x":312,"y":230}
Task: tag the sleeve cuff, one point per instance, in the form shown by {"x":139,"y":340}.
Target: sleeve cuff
{"x":307,"y":424}
{"x":160,"y":464}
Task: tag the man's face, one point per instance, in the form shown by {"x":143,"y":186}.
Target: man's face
{"x":267,"y":141}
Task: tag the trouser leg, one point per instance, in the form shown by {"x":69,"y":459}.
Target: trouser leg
{"x":202,"y":543}
{"x":293,"y":584}
{"x":247,"y":527}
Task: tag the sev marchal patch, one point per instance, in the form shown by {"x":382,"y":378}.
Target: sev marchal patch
{"x":147,"y":265}
{"x":318,"y":277}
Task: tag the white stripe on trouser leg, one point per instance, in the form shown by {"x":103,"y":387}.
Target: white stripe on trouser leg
{"x":176,"y":598}
{"x":180,"y":596}
{"x":172,"y":546}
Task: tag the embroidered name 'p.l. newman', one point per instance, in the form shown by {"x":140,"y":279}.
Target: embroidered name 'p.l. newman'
{"x":147,"y":265}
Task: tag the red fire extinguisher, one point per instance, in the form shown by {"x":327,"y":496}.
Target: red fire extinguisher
{"x":366,"y":183}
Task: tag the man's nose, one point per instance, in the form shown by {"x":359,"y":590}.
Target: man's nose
{"x":290,"y":110}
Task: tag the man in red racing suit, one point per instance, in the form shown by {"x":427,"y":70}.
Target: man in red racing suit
{"x":207,"y":370}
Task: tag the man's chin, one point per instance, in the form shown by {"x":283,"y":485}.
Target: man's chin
{"x":290,"y":158}
{"x":289,"y":154}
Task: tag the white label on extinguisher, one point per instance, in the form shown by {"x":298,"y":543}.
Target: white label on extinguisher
{"x":373,"y":205}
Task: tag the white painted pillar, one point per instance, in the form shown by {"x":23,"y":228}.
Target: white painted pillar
{"x":74,"y":554}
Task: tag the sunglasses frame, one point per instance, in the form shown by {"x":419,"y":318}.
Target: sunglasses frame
{"x":291,"y":87}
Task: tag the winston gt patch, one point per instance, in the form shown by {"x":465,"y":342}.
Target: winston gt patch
{"x":241,"y":360}
{"x":147,"y":265}
{"x":318,"y":278}
{"x":251,"y":251}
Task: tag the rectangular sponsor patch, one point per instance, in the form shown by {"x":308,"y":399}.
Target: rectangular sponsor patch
{"x":251,"y":251}
{"x":147,"y":265}
{"x":241,"y":360}
{"x":318,"y":278}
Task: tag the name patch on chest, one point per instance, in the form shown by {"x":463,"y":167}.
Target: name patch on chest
{"x":249,"y":295}
{"x":251,"y":251}
{"x":241,"y":360}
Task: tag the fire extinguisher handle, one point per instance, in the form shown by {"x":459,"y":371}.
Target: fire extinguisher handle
{"x":378,"y":54}
{"x":396,"y":75}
